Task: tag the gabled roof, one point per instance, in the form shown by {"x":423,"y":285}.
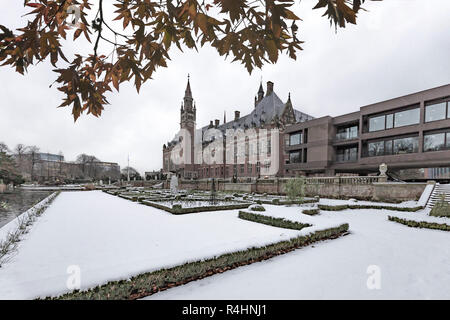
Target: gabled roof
{"x":264,"y":112}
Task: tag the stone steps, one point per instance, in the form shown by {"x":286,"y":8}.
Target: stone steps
{"x":438,"y":190}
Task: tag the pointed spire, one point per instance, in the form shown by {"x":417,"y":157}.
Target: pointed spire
{"x":188,"y":93}
{"x":260,"y":92}
{"x":288,"y":102}
{"x":224,"y":117}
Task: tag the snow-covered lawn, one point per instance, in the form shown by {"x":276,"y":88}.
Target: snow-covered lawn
{"x":111,"y":238}
{"x":413,"y":263}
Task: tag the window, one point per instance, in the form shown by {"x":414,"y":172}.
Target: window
{"x":388,"y":147}
{"x":305,"y":155}
{"x":448,"y":140}
{"x":406,"y":145}
{"x":269,"y":146}
{"x":434,"y":142}
{"x":347,"y":133}
{"x":295,"y":138}
{"x":258,"y":167}
{"x":390,"y":121}
{"x":295,"y":156}
{"x":305,"y":135}
{"x":407,"y":117}
{"x":375,"y":148}
{"x":377,"y":123}
{"x":346,"y":154}
{"x":242,"y":168}
{"x":435,"y":112}
{"x":394,"y":120}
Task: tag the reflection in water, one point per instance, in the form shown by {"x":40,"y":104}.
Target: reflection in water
{"x":18,"y":202}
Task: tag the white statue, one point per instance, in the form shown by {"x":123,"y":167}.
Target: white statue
{"x":383,"y":169}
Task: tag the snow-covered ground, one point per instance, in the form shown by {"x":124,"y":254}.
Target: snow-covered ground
{"x":412,"y":263}
{"x":110,"y":238}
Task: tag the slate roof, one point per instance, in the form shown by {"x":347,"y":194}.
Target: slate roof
{"x":266,"y":110}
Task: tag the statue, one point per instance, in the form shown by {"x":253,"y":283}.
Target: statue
{"x":174,"y":184}
{"x":383,"y":169}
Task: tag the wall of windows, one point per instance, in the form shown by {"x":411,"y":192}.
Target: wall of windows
{"x":391,"y":146}
{"x":295,"y":138}
{"x":437,"y":111}
{"x":346,"y":154}
{"x":345,"y":133}
{"x":436,"y":141}
{"x":394,"y":120}
{"x":295,"y":156}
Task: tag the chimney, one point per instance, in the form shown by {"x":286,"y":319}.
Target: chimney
{"x":269,"y":88}
{"x":236,"y":115}
{"x":211,"y":124}
{"x":216,"y":123}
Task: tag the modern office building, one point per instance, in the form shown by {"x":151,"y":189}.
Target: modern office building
{"x":408,"y":132}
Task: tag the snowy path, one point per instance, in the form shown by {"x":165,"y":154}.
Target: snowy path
{"x":414,"y":264}
{"x":110,"y":238}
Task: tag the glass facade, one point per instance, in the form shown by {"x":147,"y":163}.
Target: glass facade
{"x":377,"y":123}
{"x":347,"y":154}
{"x":434,"y":142}
{"x":375,"y":148}
{"x":407,"y":117}
{"x":295,"y":138}
{"x":347,"y":133}
{"x":436,"y":111}
{"x":406,"y":145}
{"x":394,"y":120}
{"x":391,"y":146}
{"x":295,"y":156}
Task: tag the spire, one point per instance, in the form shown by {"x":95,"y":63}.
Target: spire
{"x":260,"y":92}
{"x":289,"y":100}
{"x":188,"y":93}
{"x":224,"y":117}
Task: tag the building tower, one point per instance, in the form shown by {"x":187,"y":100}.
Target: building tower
{"x":188,"y":114}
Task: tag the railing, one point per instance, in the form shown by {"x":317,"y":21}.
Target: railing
{"x":345,"y":180}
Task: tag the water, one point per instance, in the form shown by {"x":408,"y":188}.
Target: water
{"x":18,"y":202}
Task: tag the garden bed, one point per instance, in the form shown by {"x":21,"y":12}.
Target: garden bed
{"x":149,"y":283}
{"x":194,"y":206}
{"x":420,"y":224}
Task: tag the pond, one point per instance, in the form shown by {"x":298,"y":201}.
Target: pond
{"x":18,"y":202}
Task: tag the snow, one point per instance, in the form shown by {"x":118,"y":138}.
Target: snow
{"x":413,"y":263}
{"x":426,"y":195}
{"x":111,"y":238}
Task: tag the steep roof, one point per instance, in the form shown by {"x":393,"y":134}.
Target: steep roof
{"x":264,"y":112}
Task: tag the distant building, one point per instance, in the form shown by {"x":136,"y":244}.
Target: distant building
{"x":43,"y":167}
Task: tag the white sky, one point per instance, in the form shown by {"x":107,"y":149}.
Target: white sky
{"x":398,"y":47}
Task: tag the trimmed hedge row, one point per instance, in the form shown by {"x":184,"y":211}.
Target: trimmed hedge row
{"x":311,"y":212}
{"x":366,"y":206}
{"x":271,"y":221}
{"x":177,"y":209}
{"x":151,"y":282}
{"x":279,"y":202}
{"x":420,"y":224}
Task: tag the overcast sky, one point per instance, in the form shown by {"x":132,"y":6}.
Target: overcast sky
{"x":398,"y":47}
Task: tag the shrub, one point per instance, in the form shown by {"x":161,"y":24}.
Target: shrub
{"x":441,"y":208}
{"x":310,"y":212}
{"x":276,"y":201}
{"x":366,"y":206}
{"x":295,"y":188}
{"x":420,"y":224}
{"x":271,"y":221}
{"x":257,"y":208}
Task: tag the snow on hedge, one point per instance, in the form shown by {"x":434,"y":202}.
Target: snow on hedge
{"x":109,"y":238}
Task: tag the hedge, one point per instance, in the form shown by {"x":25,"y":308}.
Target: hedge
{"x":279,"y":202}
{"x":310,"y":212}
{"x":271,"y":221}
{"x":420,"y":224}
{"x":151,"y":282}
{"x":177,"y":209}
{"x":366,"y":206}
